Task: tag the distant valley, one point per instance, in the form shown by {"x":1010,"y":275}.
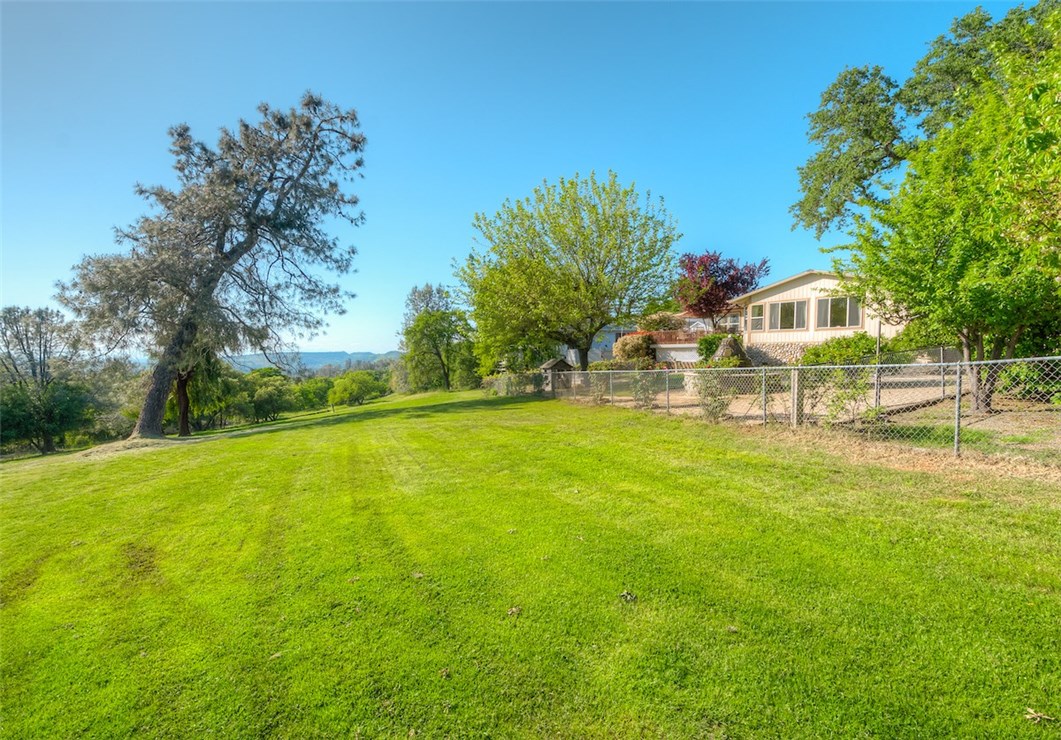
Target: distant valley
{"x":311,"y":360}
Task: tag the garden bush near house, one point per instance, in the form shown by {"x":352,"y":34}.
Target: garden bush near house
{"x":708,"y":345}
{"x":721,"y":362}
{"x":851,"y":350}
{"x":634,"y":347}
{"x":642,"y":363}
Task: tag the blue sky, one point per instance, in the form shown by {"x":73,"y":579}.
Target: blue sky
{"x":464,"y":105}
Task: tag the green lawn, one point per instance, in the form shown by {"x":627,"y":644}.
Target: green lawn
{"x":455,"y":565}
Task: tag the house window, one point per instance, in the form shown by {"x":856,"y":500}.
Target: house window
{"x":757,"y":318}
{"x":839,"y":313}
{"x":788,"y":315}
{"x":730,"y":323}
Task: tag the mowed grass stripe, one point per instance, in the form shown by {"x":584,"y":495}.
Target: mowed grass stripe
{"x":454,"y":564}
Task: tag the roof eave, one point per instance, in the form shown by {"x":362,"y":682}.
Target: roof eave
{"x":743,"y":298}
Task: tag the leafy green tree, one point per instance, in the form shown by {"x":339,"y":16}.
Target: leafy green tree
{"x":435,"y":343}
{"x":354,"y":388}
{"x":40,"y":398}
{"x":270,"y":394}
{"x":958,"y":240}
{"x":213,"y":392}
{"x":868,"y":124}
{"x":313,"y":393}
{"x":563,"y":263}
{"x":234,"y":255}
{"x":116,"y":387}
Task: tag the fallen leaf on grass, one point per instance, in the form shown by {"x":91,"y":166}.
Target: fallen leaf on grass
{"x":274,"y":656}
{"x":418,"y":575}
{"x":627,"y":597}
{"x":1037,"y":717}
{"x":515,"y":611}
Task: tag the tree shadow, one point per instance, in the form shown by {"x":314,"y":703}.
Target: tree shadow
{"x":374,"y":412}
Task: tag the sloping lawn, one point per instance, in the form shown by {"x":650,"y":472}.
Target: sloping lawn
{"x":455,"y":565}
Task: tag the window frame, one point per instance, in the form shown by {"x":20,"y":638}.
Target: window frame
{"x":734,"y":327}
{"x":847,"y":313}
{"x":761,"y":318}
{"x":795,"y":314}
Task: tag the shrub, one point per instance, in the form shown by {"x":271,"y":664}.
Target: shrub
{"x":852,"y":350}
{"x":713,"y":394}
{"x":720,"y":362}
{"x":642,"y":363}
{"x":1031,"y":382}
{"x":644,"y":388}
{"x":662,"y":321}
{"x":514,"y":384}
{"x":599,"y":388}
{"x":849,"y":396}
{"x":707,"y":346}
{"x":634,"y":347}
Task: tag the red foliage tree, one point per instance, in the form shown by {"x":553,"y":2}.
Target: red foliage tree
{"x":708,"y":282}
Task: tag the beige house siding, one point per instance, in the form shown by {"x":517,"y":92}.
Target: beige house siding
{"x":781,"y":346}
{"x":808,"y":289}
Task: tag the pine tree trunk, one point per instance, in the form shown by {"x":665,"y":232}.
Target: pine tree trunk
{"x":183,"y":404}
{"x":149,"y":423}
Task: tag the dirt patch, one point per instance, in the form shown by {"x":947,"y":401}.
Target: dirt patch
{"x":141,"y":561}
{"x":137,"y":445}
{"x":19,"y":582}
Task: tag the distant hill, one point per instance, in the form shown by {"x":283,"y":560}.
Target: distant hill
{"x":312,"y":360}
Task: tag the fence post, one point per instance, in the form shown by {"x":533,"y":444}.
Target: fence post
{"x":797,"y":399}
{"x":876,"y":385}
{"x":942,"y":376}
{"x":666,"y":375}
{"x":764,"y":396}
{"x":611,"y":386}
{"x":958,"y":412}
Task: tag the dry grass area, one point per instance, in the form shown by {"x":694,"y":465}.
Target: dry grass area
{"x":1021,"y":440}
{"x":902,"y":456}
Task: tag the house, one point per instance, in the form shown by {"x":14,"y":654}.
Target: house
{"x":602,"y":344}
{"x":779,"y":321}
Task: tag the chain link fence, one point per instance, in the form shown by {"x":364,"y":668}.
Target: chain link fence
{"x":1003,"y":406}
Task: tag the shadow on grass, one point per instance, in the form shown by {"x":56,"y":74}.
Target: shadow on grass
{"x":942,"y":436}
{"x":443,"y":405}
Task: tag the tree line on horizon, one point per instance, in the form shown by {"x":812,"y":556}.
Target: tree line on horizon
{"x":946,"y":185}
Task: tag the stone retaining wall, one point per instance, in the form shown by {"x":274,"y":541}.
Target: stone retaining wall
{"x":777,"y":353}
